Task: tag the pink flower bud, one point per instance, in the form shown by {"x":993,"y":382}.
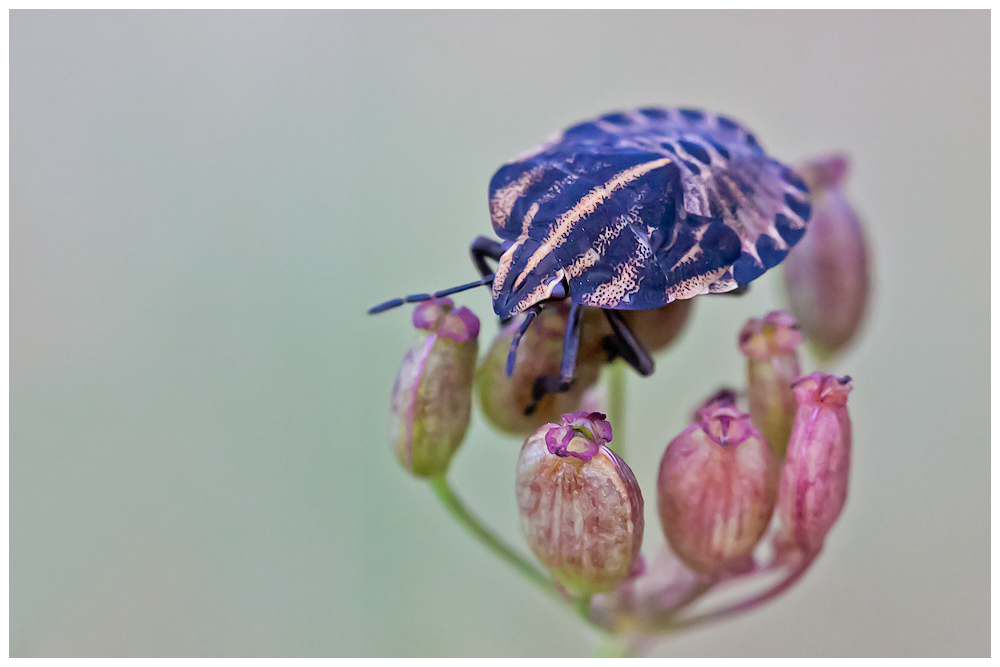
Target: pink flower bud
{"x":432,"y":398}
{"x":726,"y":397}
{"x":504,"y":398}
{"x":716,"y":489}
{"x":826,"y":172}
{"x":657,"y":328}
{"x":813,"y":487}
{"x":580,"y":505}
{"x":771,"y":348}
{"x":827,"y":272}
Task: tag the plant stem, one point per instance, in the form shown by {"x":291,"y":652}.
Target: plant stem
{"x":747,"y":604}
{"x":616,"y":405}
{"x":582,"y":605}
{"x":492,"y":542}
{"x":664,"y":619}
{"x":614,"y":647}
{"x":499,"y":548}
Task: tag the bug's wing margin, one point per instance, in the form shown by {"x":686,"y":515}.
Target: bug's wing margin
{"x":517,"y":190}
{"x":728,"y":179}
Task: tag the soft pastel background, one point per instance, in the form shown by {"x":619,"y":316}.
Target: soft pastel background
{"x":203,"y":205}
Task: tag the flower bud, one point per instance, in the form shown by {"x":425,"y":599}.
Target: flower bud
{"x":813,"y":487}
{"x":658,"y":327}
{"x":432,"y":398}
{"x":771,"y":348}
{"x":504,"y":398}
{"x":726,"y":396}
{"x":826,"y":273}
{"x":822,"y":173}
{"x":580,"y":505}
{"x":716,"y":489}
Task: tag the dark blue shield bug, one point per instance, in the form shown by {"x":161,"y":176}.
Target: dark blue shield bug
{"x":630,"y":212}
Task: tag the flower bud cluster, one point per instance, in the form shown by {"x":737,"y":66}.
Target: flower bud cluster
{"x":780,"y":449}
{"x":720,"y":485}
{"x":723,"y":477}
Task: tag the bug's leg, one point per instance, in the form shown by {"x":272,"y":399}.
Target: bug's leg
{"x":627,"y":346}
{"x":530,"y":314}
{"x":483,"y":247}
{"x":546,"y":384}
{"x":416,"y":298}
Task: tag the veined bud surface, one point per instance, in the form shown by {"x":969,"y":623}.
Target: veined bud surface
{"x":504,"y":398}
{"x":580,"y":505}
{"x":432,"y":397}
{"x":771,"y":348}
{"x":827,"y":272}
{"x":716,"y":489}
{"x":813,"y":486}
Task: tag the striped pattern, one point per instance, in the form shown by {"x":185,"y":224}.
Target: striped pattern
{"x":638,"y":208}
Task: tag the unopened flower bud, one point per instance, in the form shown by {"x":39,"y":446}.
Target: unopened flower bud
{"x":432,"y":398}
{"x":825,"y":172}
{"x":771,"y":348}
{"x":658,"y":327}
{"x":813,"y":487}
{"x":580,"y":505}
{"x":716,"y":489}
{"x":505,"y":399}
{"x":826,"y":273}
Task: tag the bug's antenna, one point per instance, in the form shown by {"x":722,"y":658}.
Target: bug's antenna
{"x":512,"y":355}
{"x":416,"y":298}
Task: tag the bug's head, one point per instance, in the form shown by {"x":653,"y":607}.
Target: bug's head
{"x":528,"y":273}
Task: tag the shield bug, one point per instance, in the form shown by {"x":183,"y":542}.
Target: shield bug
{"x":631,"y":211}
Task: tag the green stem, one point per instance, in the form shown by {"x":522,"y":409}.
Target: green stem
{"x":629,"y":644}
{"x":489,"y":539}
{"x":614,"y":647}
{"x":616,"y":405}
{"x":499,"y":548}
{"x":582,"y":605}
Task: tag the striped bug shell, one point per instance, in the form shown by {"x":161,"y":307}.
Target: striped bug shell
{"x":640,"y":208}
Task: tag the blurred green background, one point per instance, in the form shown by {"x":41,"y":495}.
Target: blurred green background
{"x":203,"y":205}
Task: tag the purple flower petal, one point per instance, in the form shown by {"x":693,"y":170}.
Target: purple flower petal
{"x":569,"y":441}
{"x":594,"y":424}
{"x":427,"y":314}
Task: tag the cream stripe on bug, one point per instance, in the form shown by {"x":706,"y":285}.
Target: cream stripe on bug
{"x":586,"y":206}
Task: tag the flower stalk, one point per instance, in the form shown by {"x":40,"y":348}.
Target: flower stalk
{"x":616,"y":404}
{"x":457,"y":510}
{"x":499,"y":548}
